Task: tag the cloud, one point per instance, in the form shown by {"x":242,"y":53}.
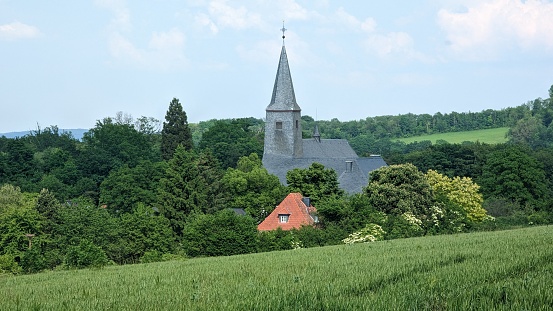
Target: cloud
{"x":258,"y":15}
{"x":233,"y":17}
{"x":17,"y":30}
{"x":368,"y":25}
{"x":396,"y":44}
{"x":164,"y":51}
{"x":485,"y":29}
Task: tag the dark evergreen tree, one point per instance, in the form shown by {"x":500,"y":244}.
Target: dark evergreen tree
{"x":175,"y":130}
{"x":190,"y":186}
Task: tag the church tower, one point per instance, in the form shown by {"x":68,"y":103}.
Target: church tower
{"x":283,"y":135}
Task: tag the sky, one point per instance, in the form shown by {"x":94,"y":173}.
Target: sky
{"x":71,"y":63}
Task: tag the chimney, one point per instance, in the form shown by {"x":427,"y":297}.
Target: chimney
{"x":306,"y":201}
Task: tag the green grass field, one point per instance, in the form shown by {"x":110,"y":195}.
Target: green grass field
{"x":503,"y":270}
{"x":488,"y":136}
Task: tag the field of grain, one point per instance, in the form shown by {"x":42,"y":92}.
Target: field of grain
{"x":503,"y":270}
{"x":488,"y":136}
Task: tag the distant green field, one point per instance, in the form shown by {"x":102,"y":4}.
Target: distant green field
{"x":504,"y":270}
{"x":489,"y":136}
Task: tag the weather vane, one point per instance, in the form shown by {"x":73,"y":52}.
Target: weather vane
{"x":283,"y":31}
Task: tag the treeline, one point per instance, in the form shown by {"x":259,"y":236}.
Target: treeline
{"x":408,"y":125}
{"x":139,"y":190}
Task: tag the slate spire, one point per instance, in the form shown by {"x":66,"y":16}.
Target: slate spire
{"x":284,"y":98}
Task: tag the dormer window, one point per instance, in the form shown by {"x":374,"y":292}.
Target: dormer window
{"x":279,"y":125}
{"x":283,"y":218}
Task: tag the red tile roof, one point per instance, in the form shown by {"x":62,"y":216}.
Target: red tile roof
{"x":298,"y":214}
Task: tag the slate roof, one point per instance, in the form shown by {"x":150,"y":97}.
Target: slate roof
{"x":298,"y":214}
{"x":332,"y":153}
{"x":283,"y":97}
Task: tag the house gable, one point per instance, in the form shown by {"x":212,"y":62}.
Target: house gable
{"x":291,"y":213}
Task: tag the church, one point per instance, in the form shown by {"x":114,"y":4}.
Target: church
{"x":285,"y":148}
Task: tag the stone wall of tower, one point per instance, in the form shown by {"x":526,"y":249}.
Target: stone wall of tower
{"x":283,"y":134}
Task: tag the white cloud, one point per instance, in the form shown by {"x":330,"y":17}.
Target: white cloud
{"x":258,"y":15}
{"x":17,"y":30}
{"x":388,"y":45}
{"x":165,"y":50}
{"x":204,"y":21}
{"x":485,"y":29}
{"x":236,"y":18}
{"x":368,"y":25}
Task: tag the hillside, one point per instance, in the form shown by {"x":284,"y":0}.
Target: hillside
{"x":488,"y":136}
{"x":481,"y":271}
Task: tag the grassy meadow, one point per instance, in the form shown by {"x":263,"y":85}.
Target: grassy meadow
{"x":488,"y":136}
{"x":502,"y":270}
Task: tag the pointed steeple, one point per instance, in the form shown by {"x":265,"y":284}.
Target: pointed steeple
{"x":316,"y":134}
{"x":283,"y":134}
{"x":284,"y":98}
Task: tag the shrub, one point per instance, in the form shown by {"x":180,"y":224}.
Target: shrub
{"x":370,"y":233}
{"x":8,"y":264}
{"x":86,"y":254}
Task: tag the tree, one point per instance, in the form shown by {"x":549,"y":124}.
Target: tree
{"x":530,"y":132}
{"x":511,"y":173}
{"x":175,"y":130}
{"x":458,"y":201}
{"x":222,"y":234}
{"x":111,"y":145}
{"x":316,"y":182}
{"x":125,"y":187}
{"x":142,"y":231}
{"x":229,"y":141}
{"x":18,"y":217}
{"x":403,"y":193}
{"x":252,"y":188}
{"x":190,"y":186}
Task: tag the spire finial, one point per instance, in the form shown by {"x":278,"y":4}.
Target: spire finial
{"x":283,"y":31}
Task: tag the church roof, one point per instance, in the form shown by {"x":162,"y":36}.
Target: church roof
{"x":283,"y":97}
{"x":337,"y":154}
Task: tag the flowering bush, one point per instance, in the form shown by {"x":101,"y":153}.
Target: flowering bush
{"x":370,"y":233}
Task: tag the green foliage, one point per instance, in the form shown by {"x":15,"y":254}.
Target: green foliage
{"x":80,"y":220}
{"x":222,"y":234}
{"x":175,"y":130}
{"x":252,"y":188}
{"x":477,"y":271}
{"x":461,"y":192}
{"x":511,"y":173}
{"x":18,"y":217}
{"x":400,"y":189}
{"x":190,"y":186}
{"x":85,"y":255}
{"x":32,"y":261}
{"x":316,"y":182}
{"x":126,"y":187}
{"x":143,"y":232}
{"x":530,"y":132}
{"x":371,"y":233}
{"x":110,"y":145}
{"x":8,"y":264}
{"x":228,"y":141}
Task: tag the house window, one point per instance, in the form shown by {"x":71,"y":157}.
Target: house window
{"x":283,"y":218}
{"x":297,"y":124}
{"x":279,"y":125}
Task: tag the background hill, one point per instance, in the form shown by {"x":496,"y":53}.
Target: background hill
{"x":76,"y":133}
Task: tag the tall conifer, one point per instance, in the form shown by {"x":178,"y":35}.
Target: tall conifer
{"x":175,"y":130}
